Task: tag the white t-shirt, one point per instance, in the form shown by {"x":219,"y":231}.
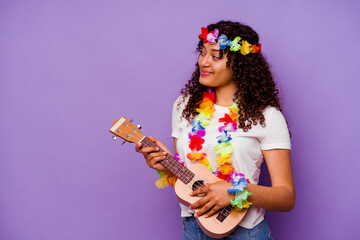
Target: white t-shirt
{"x":246,"y":157}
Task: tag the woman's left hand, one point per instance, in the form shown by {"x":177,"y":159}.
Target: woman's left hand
{"x":216,"y":198}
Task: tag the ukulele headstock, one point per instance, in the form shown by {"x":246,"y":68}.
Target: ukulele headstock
{"x":126,"y":130}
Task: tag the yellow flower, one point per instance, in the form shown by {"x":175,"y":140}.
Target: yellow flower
{"x":246,"y":205}
{"x":162,"y":182}
{"x":207,"y":108}
{"x":245,"y":47}
{"x":222,"y":160}
{"x":205,"y":161}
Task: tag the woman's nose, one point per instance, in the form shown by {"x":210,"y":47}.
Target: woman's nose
{"x":205,"y":60}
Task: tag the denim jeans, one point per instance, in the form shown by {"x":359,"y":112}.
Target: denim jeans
{"x":192,"y":231}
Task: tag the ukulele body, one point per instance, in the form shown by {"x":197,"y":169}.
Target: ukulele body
{"x":211,"y":226}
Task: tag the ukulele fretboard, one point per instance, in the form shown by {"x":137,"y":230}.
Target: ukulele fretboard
{"x":176,"y":168}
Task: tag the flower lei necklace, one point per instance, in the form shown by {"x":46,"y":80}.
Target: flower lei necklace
{"x":223,"y":147}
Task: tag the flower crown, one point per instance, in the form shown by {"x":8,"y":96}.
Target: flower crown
{"x":235,"y":45}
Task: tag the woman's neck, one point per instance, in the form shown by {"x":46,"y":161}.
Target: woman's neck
{"x":225,"y":95}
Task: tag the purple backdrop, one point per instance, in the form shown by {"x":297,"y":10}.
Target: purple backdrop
{"x":68,"y":69}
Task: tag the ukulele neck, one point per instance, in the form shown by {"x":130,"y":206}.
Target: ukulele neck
{"x":173,"y":166}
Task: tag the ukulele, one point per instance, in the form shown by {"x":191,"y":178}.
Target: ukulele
{"x":189,"y":179}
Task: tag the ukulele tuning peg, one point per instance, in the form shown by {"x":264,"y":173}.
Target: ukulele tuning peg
{"x":123,"y":142}
{"x":138,"y":126}
{"x":114,"y":138}
{"x":131,"y":120}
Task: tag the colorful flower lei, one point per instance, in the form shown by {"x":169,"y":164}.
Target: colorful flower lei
{"x":235,"y":45}
{"x":223,"y":148}
{"x":240,"y":202}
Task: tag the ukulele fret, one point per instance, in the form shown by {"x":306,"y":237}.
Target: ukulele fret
{"x":176,"y":168}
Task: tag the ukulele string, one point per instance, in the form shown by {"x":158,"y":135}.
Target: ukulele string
{"x":198,"y":185}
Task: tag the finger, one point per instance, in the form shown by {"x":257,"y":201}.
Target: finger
{"x":159,"y":167}
{"x":155,"y":154}
{"x":212,"y":211}
{"x":205,"y":209}
{"x":203,"y":190}
{"x":153,"y":139}
{"x":147,"y":150}
{"x":138,"y":147}
{"x":155,"y":160}
{"x":199,"y":203}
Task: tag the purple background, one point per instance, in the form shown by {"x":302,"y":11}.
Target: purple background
{"x":68,"y":69}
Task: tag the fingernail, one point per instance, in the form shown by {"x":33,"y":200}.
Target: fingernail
{"x":206,"y":216}
{"x":157,"y":149}
{"x":191,"y":194}
{"x":195,"y":215}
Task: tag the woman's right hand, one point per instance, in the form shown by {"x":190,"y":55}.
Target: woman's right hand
{"x":152,"y":154}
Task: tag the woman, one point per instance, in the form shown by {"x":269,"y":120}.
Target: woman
{"x":229,"y":119}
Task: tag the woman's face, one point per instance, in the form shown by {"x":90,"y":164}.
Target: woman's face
{"x":213,"y":69}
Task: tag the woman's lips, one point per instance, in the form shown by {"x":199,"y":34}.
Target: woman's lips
{"x":204,"y":73}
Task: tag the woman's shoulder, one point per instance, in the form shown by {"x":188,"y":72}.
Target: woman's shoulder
{"x":269,"y":111}
{"x":273,"y":114}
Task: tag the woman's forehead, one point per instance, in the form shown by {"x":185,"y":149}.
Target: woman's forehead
{"x":211,"y":47}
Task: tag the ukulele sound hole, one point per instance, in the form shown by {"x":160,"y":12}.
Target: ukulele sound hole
{"x":197,"y":185}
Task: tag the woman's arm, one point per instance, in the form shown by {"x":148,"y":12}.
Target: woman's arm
{"x":279,"y":197}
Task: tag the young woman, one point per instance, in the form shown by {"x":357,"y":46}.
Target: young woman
{"x":229,"y":119}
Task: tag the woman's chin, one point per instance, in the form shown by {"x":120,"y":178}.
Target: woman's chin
{"x":205,"y":81}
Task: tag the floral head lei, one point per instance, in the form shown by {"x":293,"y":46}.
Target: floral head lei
{"x":235,"y":45}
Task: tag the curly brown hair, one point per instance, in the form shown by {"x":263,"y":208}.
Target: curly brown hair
{"x":255,"y":85}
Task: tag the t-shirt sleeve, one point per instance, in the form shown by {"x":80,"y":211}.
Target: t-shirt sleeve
{"x":277,"y":133}
{"x":175,"y":120}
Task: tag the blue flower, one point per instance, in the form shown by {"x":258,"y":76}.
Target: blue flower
{"x":223,"y":42}
{"x":196,"y":126}
{"x":238,"y":186}
{"x":223,"y":137}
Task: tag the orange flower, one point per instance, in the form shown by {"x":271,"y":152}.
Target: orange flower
{"x":256,"y":48}
{"x":172,"y":180}
{"x":196,"y":156}
{"x":226,"y":169}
